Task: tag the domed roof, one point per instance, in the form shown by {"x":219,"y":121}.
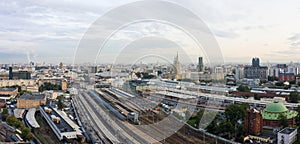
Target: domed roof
{"x":276,"y":107}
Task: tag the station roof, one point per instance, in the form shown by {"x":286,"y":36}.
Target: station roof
{"x":63,"y":126}
{"x":177,"y":95}
{"x":31,"y":119}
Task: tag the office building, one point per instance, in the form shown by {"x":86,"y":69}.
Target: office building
{"x":13,"y":75}
{"x":200,"y":66}
{"x":255,"y":71}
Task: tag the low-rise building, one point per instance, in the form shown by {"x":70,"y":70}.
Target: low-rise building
{"x":31,"y":100}
{"x":287,"y":136}
{"x":8,"y":93}
{"x":20,"y":82}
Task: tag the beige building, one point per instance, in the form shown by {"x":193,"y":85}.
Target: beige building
{"x":29,"y":100}
{"x":64,"y":85}
{"x":8,"y":93}
{"x":5,"y":83}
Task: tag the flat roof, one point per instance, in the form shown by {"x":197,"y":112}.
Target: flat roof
{"x":8,"y":89}
{"x":32,"y":96}
{"x":18,"y":113}
{"x":287,"y":130}
{"x":177,"y":95}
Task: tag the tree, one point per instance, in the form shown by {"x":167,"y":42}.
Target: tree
{"x":60,"y":104}
{"x":195,"y":120}
{"x":279,"y":84}
{"x":256,"y":97}
{"x":213,"y":127}
{"x":5,"y":113}
{"x":242,"y":88}
{"x":226,"y":128}
{"x":294,"y":97}
{"x":26,"y":134}
{"x":13,"y":121}
{"x":49,"y":86}
{"x":235,"y":112}
{"x":23,"y":91}
{"x":272,"y":78}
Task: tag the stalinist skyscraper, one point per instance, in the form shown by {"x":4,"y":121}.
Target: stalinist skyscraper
{"x":177,"y":66}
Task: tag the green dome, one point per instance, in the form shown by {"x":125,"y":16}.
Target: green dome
{"x":276,"y":107}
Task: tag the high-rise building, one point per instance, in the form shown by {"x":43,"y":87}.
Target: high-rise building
{"x":10,"y":74}
{"x":61,"y":66}
{"x":200,"y":64}
{"x":255,"y":62}
{"x":255,"y":71}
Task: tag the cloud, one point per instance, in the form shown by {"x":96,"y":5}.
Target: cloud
{"x":225,"y":34}
{"x":46,"y":28}
{"x":294,"y":41}
{"x":294,"y":37}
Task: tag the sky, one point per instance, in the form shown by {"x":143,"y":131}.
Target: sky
{"x":51,"y":30}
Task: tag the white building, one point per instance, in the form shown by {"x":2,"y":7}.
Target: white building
{"x":287,"y":136}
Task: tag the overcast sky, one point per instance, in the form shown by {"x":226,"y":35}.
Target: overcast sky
{"x":50,"y":30}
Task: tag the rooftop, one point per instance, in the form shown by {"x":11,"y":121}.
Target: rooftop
{"x":31,"y":119}
{"x":32,"y":96}
{"x":276,"y":107}
{"x":8,"y":89}
{"x":287,"y":130}
{"x":274,"y":110}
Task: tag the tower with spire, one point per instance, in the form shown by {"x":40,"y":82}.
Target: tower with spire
{"x":177,"y":66}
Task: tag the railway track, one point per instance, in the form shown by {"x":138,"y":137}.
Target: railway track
{"x":101,"y":129}
{"x":111,"y":123}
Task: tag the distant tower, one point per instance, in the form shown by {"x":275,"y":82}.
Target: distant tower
{"x":178,"y":67}
{"x":200,"y":64}
{"x":255,"y":62}
{"x":10,"y":74}
{"x":61,"y":66}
